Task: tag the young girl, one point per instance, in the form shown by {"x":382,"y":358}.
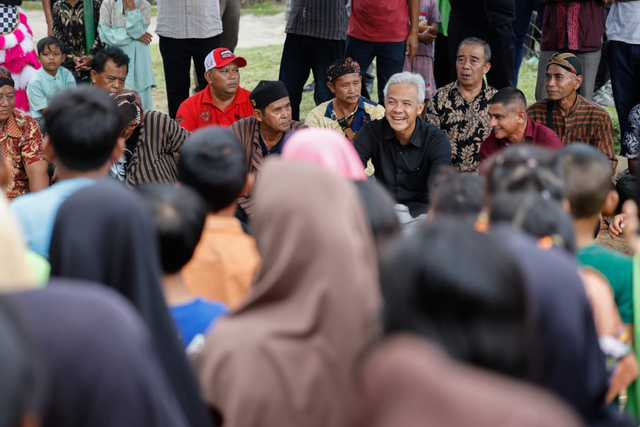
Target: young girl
{"x":428,"y":29}
{"x":124,"y":23}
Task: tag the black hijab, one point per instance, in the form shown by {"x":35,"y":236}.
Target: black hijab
{"x":104,"y":234}
{"x":103,"y":370}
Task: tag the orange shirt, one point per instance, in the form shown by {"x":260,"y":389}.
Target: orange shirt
{"x":199,"y":110}
{"x":225,"y":262}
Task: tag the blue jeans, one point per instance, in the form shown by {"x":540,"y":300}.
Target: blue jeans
{"x":390,"y":59}
{"x":520,"y":25}
{"x":624,"y":67}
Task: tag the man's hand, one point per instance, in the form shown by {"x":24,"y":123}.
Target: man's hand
{"x":617,"y":225}
{"x":83,"y":63}
{"x":412,"y":45}
{"x":146,"y":38}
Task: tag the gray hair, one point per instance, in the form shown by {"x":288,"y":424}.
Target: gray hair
{"x":407,"y":77}
{"x":479,"y":42}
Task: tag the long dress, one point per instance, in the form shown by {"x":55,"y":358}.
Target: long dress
{"x":123,"y":31}
{"x":16,"y":50}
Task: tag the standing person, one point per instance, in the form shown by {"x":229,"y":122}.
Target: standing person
{"x":124,"y":24}
{"x":423,"y":62}
{"x":385,"y":30}
{"x":75,"y":23}
{"x":122,"y":254}
{"x":461,"y":109}
{"x":188,"y":29}
{"x":624,"y":66}
{"x":315,"y":38}
{"x":489,"y":20}
{"x":520,"y":25}
{"x":441,"y":47}
{"x":313,"y":311}
{"x":230,"y":16}
{"x":577,"y":27}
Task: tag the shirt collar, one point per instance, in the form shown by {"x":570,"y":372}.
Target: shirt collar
{"x":389,"y":134}
{"x":328,"y":113}
{"x":483,"y":91}
{"x":530,"y":129}
{"x":11,"y":128}
{"x":239,"y":97}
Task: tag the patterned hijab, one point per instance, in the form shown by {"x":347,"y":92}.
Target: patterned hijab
{"x":131,"y":113}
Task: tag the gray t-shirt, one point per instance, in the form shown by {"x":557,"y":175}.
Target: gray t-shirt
{"x":622,"y":23}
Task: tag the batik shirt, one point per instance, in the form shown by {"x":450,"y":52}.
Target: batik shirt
{"x":68,"y":26}
{"x":20,"y":141}
{"x":465,"y":123}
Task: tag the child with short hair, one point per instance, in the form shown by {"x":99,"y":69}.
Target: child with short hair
{"x":178,"y":216}
{"x":422,"y":64}
{"x":588,"y":190}
{"x":225,"y":262}
{"x":49,"y":80}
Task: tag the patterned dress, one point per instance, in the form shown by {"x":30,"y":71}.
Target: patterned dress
{"x":68,"y":26}
{"x":465,"y":123}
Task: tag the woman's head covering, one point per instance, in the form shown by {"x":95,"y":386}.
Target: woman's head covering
{"x":130,"y":113}
{"x":22,"y":373}
{"x":326,"y":148}
{"x":104,"y":234}
{"x":408,"y":381}
{"x":16,"y":274}
{"x":288,"y":356}
{"x":102,"y":367}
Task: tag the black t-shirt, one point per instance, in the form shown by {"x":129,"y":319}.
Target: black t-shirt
{"x":483,"y":13}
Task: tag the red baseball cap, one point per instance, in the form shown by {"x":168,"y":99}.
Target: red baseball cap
{"x":222,"y":57}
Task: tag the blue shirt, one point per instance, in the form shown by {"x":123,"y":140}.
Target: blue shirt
{"x":43,"y":87}
{"x":196,"y":317}
{"x":36,"y":212}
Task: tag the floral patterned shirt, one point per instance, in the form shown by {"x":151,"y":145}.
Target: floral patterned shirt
{"x":20,"y":141}
{"x":465,"y":123}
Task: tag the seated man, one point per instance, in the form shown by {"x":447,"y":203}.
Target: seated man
{"x":109,"y":70}
{"x":178,"y":216}
{"x":152,"y":141}
{"x":461,"y":109}
{"x":265,"y":133}
{"x":83,"y":126}
{"x":405,"y":151}
{"x":508,"y":110}
{"x":570,"y":115}
{"x":348,"y":111}
{"x":226,"y":260}
{"x":223,"y":102}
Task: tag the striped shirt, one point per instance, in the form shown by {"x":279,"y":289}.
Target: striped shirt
{"x":248,"y":132}
{"x":323,"y":19}
{"x":153,"y":158}
{"x":189,"y":19}
{"x":586,"y":122}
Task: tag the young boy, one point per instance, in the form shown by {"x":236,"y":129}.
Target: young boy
{"x":422,"y":64}
{"x":589,"y":191}
{"x":178,"y":215}
{"x":49,"y":80}
{"x":225,"y":262}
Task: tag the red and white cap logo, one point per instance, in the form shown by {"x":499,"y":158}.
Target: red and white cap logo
{"x":222,"y":57}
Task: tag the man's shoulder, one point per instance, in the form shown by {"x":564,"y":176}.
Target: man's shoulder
{"x":194,"y":101}
{"x":320,"y":110}
{"x":242,"y":125}
{"x":23,"y":120}
{"x":444,"y":90}
{"x":591,"y":107}
{"x":295,"y":125}
{"x":537,"y":107}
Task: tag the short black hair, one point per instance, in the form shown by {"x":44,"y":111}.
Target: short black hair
{"x":178,"y":215}
{"x":115,"y":54}
{"x":214,"y":164}
{"x":509,"y":97}
{"x":84,"y":126}
{"x":379,"y":207}
{"x":49,"y":41}
{"x":587,"y":179}
{"x":454,"y":193}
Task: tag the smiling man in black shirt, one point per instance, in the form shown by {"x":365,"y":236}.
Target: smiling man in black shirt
{"x":405,"y":151}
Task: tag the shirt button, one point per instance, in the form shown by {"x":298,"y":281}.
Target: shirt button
{"x":399,"y":170}
{"x":398,"y":189}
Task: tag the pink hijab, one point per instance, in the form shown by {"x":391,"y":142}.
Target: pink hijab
{"x":326,"y":148}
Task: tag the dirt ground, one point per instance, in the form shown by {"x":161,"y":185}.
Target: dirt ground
{"x":255,"y":31}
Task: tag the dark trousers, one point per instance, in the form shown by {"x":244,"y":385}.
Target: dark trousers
{"x":389,"y":59}
{"x":302,"y":54}
{"x":176,"y":60}
{"x":502,"y":44}
{"x":441,"y":61}
{"x":624,"y":67}
{"x":520,"y":25}
{"x":603,"y":68}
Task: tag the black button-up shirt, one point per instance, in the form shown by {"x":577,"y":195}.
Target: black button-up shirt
{"x":405,"y":170}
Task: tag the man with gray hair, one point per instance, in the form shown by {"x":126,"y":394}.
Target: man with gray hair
{"x":461,"y":109}
{"x":406,"y":152}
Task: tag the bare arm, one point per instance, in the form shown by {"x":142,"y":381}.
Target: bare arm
{"x":38,"y":175}
{"x":412,"y":40}
{"x":46,"y":6}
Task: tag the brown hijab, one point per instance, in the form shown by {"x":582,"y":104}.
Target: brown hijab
{"x":287,"y":357}
{"x":409,"y":382}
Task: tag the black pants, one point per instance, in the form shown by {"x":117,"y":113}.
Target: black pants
{"x":304,"y":53}
{"x":502,"y":43}
{"x":176,"y":59}
{"x":441,"y":61}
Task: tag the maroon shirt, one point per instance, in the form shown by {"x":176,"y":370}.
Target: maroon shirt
{"x":573,"y":25}
{"x":536,"y":134}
